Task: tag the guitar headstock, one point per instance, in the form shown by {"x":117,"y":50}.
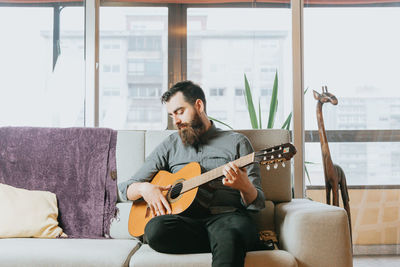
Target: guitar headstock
{"x":275,"y":155}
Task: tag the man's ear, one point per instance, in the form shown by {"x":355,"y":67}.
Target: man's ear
{"x":199,"y":105}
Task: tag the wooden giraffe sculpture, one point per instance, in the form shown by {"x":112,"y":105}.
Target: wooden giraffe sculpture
{"x":334,"y":175}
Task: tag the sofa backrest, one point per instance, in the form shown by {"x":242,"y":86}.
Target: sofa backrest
{"x":134,"y":146}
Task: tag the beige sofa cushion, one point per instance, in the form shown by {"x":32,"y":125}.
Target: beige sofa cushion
{"x":147,"y":257}
{"x":28,"y":213}
{"x":315,"y":233}
{"x":66,"y":252}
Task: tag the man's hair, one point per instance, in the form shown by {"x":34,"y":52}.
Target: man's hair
{"x":191,"y":92}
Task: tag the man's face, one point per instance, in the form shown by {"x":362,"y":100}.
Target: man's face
{"x":186,"y":118}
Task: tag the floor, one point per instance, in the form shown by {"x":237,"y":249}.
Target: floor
{"x":381,"y":261}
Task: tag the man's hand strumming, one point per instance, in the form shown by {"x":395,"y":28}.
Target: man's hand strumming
{"x":153,"y":195}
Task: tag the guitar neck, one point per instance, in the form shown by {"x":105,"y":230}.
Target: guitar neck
{"x":215,"y":173}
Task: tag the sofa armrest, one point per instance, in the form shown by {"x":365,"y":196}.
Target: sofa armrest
{"x":316,"y":234}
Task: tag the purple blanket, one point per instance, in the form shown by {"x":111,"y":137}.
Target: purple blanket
{"x":77,"y":164}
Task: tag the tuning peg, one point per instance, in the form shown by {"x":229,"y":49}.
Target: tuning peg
{"x":275,"y":165}
{"x":283,"y":164}
{"x":268,"y":167}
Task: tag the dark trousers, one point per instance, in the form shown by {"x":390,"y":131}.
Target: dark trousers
{"x":228,"y":236}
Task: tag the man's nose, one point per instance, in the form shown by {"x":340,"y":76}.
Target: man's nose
{"x":176,"y":120}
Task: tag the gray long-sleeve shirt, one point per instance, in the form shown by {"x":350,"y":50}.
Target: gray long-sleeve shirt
{"x":216,"y":148}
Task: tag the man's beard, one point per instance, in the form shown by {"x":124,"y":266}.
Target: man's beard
{"x":190,"y":133}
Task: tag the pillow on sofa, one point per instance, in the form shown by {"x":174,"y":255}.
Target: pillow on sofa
{"x":28,"y":213}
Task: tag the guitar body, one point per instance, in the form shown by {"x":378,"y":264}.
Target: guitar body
{"x":141,"y":214}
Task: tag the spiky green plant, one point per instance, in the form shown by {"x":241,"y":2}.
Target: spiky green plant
{"x":256,"y":121}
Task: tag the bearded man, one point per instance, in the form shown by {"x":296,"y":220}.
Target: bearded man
{"x":218,"y":221}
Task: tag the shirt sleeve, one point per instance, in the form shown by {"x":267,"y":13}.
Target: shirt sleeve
{"x":156,"y":161}
{"x":253,"y":172}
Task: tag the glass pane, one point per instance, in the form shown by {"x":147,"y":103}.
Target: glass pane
{"x":358,"y":59}
{"x":363,"y":163}
{"x":134,"y":56}
{"x":31,"y":92}
{"x":362,"y":72}
{"x":255,"y":42}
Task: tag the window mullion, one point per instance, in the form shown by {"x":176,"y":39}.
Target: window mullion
{"x":177,"y":52}
{"x":92,"y":63}
{"x":298,"y":99}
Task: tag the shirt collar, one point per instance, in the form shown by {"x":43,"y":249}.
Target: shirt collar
{"x":210,"y":132}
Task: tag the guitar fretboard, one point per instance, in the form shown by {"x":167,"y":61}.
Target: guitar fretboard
{"x":215,"y":173}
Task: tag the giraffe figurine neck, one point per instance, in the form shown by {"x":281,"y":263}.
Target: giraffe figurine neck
{"x":322,"y":135}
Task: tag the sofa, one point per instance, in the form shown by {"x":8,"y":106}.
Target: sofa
{"x":309,"y":233}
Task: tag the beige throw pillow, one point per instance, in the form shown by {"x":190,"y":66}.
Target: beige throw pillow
{"x":28,"y":213}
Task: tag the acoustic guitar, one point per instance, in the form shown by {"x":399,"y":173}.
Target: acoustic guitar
{"x":186,"y":181}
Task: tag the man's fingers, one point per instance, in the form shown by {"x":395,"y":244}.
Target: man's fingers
{"x":166,"y":205}
{"x":153,"y":211}
{"x":227,"y":181}
{"x":163,"y":188}
{"x":160,"y":208}
{"x":233,"y":167}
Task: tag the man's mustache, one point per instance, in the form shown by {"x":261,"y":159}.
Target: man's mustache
{"x":182,"y":125}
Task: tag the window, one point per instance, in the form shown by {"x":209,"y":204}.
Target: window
{"x":115,"y":68}
{"x":139,"y":37}
{"x":239,"y":91}
{"x":106,"y":68}
{"x":145,"y":91}
{"x":367,"y":98}
{"x":226,"y":49}
{"x":32,"y":92}
{"x":111,"y":91}
{"x":357,"y":57}
{"x":265,"y":92}
{"x":136,"y":68}
{"x":144,"y":114}
{"x":217,"y":91}
{"x":144,"y":43}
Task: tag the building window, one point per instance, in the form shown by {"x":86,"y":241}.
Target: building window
{"x":106,"y":68}
{"x":144,"y":43}
{"x":111,"y":91}
{"x":144,"y":90}
{"x":265,"y":92}
{"x":115,"y":68}
{"x":217,"y":91}
{"x":144,"y":115}
{"x":239,"y":91}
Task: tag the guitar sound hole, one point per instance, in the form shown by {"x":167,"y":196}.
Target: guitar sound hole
{"x":176,"y":190}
